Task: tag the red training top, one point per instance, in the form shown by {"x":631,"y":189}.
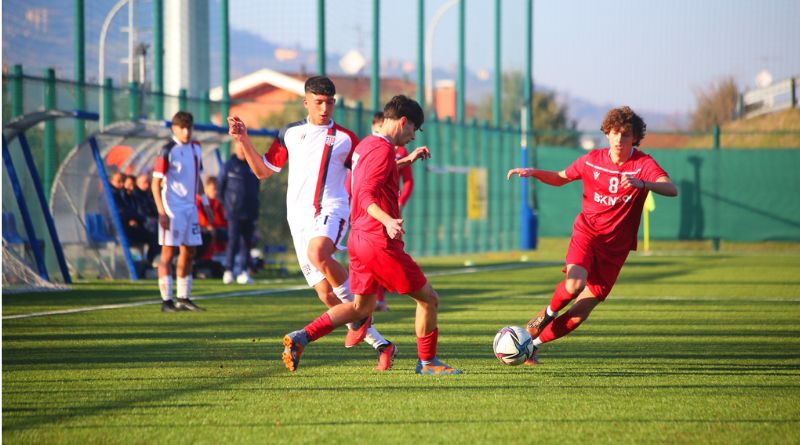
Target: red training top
{"x":375,"y":180}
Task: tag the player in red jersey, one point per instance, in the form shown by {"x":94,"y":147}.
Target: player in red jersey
{"x":407,"y":179}
{"x":616,"y":181}
{"x":375,"y":245}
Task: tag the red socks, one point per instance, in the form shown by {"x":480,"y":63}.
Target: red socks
{"x":561,"y":297}
{"x":558,"y":328}
{"x":426,"y":345}
{"x":320,"y":327}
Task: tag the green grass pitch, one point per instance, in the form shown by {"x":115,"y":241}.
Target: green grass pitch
{"x":691,"y":347}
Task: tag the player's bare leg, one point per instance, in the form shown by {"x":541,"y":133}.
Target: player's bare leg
{"x":425,"y":325}
{"x":320,"y":253}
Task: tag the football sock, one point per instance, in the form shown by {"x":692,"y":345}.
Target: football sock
{"x":374,"y":338}
{"x":426,"y":346}
{"x":184,"y":285}
{"x":561,"y":297}
{"x":165,"y":287}
{"x":549,"y":311}
{"x":560,"y":327}
{"x":320,"y":327}
{"x":380,"y":294}
{"x":342,"y":292}
{"x":537,"y":341}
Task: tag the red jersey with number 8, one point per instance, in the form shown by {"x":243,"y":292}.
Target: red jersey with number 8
{"x":608,"y":210}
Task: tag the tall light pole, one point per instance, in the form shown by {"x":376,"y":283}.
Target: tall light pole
{"x":437,"y":16}
{"x":102,"y":56}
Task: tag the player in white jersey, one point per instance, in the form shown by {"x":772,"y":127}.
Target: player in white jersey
{"x":317,"y":203}
{"x":176,"y":182}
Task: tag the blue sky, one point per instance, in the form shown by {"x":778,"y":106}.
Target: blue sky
{"x":649,"y":54}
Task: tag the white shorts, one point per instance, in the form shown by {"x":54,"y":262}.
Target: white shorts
{"x":184,"y":229}
{"x":333,"y":227}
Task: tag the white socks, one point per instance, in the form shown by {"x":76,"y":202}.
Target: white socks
{"x":550,"y":312}
{"x":184,"y":287}
{"x":165,"y":287}
{"x":342,"y":292}
{"x":374,"y":338}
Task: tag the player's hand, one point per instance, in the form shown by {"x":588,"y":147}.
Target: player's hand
{"x":236,"y":128}
{"x":521,"y":172}
{"x":628,"y":181}
{"x":163,"y":221}
{"x":394,"y":228}
{"x":420,"y":153}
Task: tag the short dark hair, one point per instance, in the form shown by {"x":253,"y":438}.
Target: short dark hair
{"x":624,"y":118}
{"x":377,"y":118}
{"x":183,"y":119}
{"x":320,"y":85}
{"x":403,"y":106}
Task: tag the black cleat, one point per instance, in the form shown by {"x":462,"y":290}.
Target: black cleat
{"x":185,"y":304}
{"x":168,"y":306}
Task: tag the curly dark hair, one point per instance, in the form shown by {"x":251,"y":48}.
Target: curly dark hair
{"x":625,"y":118}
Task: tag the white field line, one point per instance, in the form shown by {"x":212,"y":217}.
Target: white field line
{"x":465,"y":270}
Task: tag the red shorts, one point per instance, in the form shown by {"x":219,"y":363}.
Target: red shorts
{"x":602,"y":263}
{"x":376,"y":262}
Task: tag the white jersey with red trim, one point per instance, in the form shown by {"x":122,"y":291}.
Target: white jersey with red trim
{"x":180,"y":166}
{"x":319,"y":156}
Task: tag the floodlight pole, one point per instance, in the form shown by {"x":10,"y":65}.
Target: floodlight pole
{"x":437,"y":16}
{"x":102,"y":53}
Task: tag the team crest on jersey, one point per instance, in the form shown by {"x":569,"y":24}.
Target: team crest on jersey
{"x":330,"y":139}
{"x":596,"y":174}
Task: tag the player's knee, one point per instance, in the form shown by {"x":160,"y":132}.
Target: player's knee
{"x":318,"y":258}
{"x":430,"y":298}
{"x":575,"y":286}
{"x":363,"y":307}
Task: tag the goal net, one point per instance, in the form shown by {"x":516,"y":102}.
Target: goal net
{"x":18,"y":276}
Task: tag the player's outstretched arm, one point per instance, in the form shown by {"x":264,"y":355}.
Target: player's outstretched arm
{"x":238,"y":132}
{"x":546,"y":176}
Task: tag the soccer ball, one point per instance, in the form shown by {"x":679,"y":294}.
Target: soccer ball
{"x":513,"y":345}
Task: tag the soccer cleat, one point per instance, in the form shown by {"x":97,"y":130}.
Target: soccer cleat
{"x":534,"y":358}
{"x":436,"y":367}
{"x":292,"y":349}
{"x":185,"y":304}
{"x":356,"y":336}
{"x":537,"y":324}
{"x":386,"y":354}
{"x":227,"y":277}
{"x":168,"y":306}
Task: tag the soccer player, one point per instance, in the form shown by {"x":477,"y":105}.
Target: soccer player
{"x":176,"y":181}
{"x":407,"y":179}
{"x":317,"y":204}
{"x":375,"y":244}
{"x":616,"y":181}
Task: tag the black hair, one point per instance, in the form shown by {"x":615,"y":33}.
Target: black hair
{"x":403,"y":106}
{"x":320,"y":85}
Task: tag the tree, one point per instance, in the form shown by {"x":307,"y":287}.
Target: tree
{"x":715,"y":105}
{"x":550,"y":119}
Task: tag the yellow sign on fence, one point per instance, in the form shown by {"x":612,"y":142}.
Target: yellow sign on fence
{"x":477,"y":194}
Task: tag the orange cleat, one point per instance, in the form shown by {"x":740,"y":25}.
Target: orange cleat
{"x":291,"y":352}
{"x":386,"y":357}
